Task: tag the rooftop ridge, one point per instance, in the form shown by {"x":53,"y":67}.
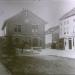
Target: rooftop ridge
{"x":68,"y":14}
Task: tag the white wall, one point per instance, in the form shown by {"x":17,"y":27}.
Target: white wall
{"x":68,"y":26}
{"x":67,"y":30}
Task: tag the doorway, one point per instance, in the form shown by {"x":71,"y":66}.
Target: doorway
{"x":70,"y":44}
{"x":35,"y":42}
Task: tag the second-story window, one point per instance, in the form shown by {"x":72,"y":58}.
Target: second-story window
{"x":18,"y":28}
{"x":73,"y":29}
{"x":34,"y":28}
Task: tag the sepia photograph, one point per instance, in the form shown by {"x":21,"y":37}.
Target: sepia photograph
{"x":37,"y":37}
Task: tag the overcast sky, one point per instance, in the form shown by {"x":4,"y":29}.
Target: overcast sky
{"x":49,"y":10}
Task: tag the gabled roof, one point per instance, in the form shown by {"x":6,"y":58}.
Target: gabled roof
{"x":52,"y":29}
{"x":69,"y":14}
{"x":23,"y":17}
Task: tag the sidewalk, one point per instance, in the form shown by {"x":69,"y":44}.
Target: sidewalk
{"x":3,"y":70}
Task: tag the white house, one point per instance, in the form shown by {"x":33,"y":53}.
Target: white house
{"x":67,"y":30}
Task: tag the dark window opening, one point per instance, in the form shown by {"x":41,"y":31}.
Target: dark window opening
{"x":65,"y":43}
{"x":73,"y":41}
{"x":64,"y":32}
{"x":17,"y":28}
{"x":70,"y":44}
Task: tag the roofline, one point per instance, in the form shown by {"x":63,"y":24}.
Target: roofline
{"x":63,"y":17}
{"x":4,"y":25}
{"x":19,"y":13}
{"x":66,"y":17}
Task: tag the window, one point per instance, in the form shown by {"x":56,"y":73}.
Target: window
{"x":64,"y":32}
{"x":73,"y":41}
{"x":65,"y":43}
{"x":66,"y":22}
{"x":34,"y":28}
{"x":17,"y":28}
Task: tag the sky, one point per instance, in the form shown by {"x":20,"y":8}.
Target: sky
{"x":49,"y":10}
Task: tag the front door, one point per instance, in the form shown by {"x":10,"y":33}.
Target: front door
{"x":70,"y":44}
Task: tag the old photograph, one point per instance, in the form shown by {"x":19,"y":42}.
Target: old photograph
{"x":37,"y":37}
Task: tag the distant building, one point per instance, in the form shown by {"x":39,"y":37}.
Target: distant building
{"x":52,"y":36}
{"x":48,"y":40}
{"x":67,"y":30}
{"x":26,"y":27}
